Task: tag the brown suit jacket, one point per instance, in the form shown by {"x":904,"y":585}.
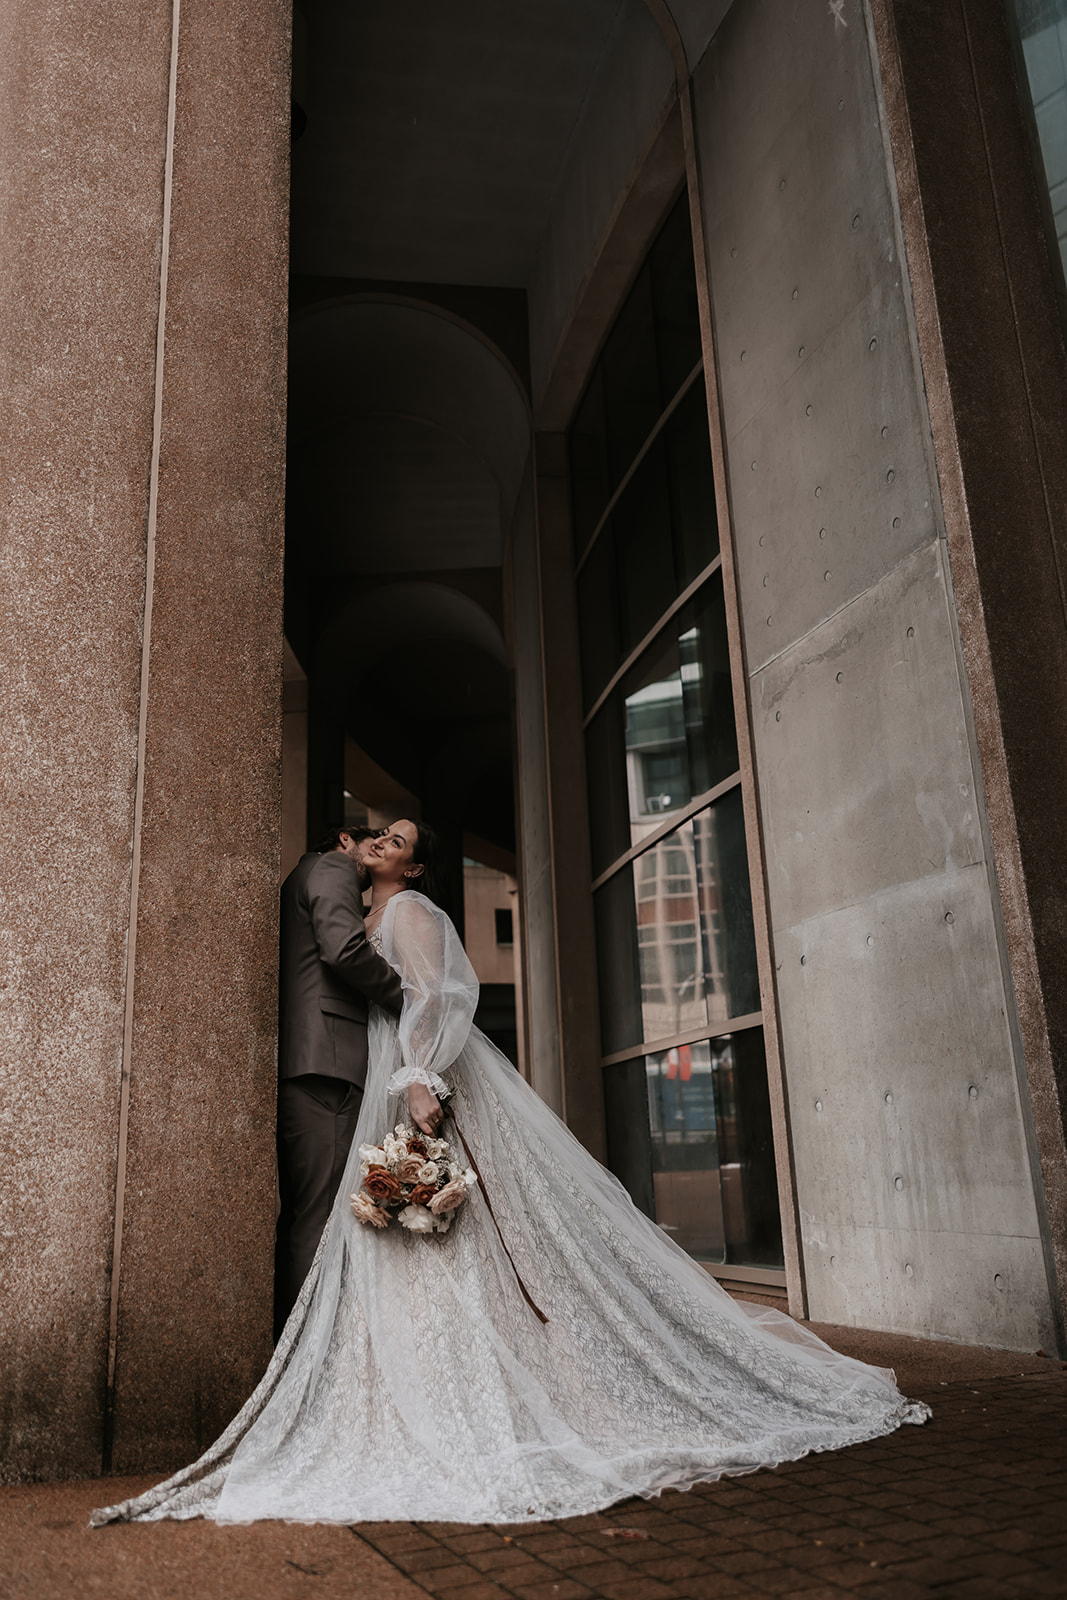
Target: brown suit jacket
{"x":330,"y":973}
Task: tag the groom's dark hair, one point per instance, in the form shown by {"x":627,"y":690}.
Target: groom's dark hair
{"x":332,"y":840}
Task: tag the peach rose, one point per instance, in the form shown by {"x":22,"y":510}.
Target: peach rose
{"x":408,"y":1169}
{"x":364,"y":1210}
{"x":380,"y":1184}
{"x":447,"y":1199}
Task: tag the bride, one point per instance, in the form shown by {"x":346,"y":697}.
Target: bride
{"x":551,"y":1353}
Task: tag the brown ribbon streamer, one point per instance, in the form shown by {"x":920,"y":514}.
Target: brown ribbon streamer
{"x":527,"y":1296}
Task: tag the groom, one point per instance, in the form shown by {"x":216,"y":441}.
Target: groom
{"x":329,"y":975}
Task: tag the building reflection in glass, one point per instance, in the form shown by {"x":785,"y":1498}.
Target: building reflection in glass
{"x":714,"y":1191}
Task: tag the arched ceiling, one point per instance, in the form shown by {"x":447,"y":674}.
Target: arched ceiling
{"x":409,"y":435}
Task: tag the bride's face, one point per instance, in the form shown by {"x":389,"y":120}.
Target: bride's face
{"x":389,"y":857}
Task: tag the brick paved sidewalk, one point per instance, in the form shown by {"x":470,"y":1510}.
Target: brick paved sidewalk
{"x":973,"y":1506}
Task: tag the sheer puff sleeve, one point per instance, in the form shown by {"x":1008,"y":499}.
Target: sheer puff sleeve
{"x":440,"y":989}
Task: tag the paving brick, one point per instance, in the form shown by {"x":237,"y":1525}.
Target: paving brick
{"x":674,"y":1568}
{"x":561,"y":1589}
{"x":637,"y":1588}
{"x":813,"y":1556}
{"x":850,"y":1574}
{"x":538,"y":1544}
{"x":396,"y":1536}
{"x":476,"y":1591}
{"x":596,"y":1573}
{"x":929,"y":1570}
{"x":978,"y":1589}
{"x":783,"y":1580}
{"x":1040,"y":1584}
{"x":482,"y":1539}
{"x":904,"y":1532}
{"x":896,"y":1589}
{"x":445,"y":1579}
{"x":424,"y":1559}
{"x":508,"y":1556}
{"x":747,"y":1561}
{"x":716,"y":1586}
{"x":1001,"y":1564}
{"x":1017,"y":1539}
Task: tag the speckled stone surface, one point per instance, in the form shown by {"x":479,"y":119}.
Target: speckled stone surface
{"x":197,"y":1265}
{"x":82,"y":119}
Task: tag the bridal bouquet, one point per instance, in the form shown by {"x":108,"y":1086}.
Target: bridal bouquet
{"x":412,"y":1179}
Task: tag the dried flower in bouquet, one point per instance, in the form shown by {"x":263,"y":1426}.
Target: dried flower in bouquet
{"x":411,"y":1179}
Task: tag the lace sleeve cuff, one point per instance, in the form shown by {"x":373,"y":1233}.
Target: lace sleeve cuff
{"x":402,"y":1080}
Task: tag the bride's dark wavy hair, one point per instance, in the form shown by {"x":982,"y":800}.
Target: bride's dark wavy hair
{"x":427,"y":854}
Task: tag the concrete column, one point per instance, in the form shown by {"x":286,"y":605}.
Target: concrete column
{"x":568,"y":815}
{"x":143,"y":181}
{"x":540,"y":996}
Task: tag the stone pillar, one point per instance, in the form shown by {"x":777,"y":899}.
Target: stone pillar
{"x":143,"y":265}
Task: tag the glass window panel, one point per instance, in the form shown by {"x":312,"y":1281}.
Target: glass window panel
{"x":614,"y":911}
{"x":590,"y":488}
{"x":649,"y":946}
{"x":684,"y":1139}
{"x":707,"y":690}
{"x":731,"y":978}
{"x":749,"y":1180}
{"x":693,"y":516}
{"x":1040,"y":28}
{"x":598,"y":629}
{"x":657,"y":761}
{"x":679,"y":718}
{"x":632,"y":399}
{"x":644,"y":554}
{"x":674,"y":300}
{"x":629,"y":1147}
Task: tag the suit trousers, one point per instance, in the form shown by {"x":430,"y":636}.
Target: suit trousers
{"x":317,"y":1117}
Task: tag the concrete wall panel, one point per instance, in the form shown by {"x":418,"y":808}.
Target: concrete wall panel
{"x":906,"y":1124}
{"x":861,"y":724}
{"x":833,"y":470}
{"x":891,"y":969}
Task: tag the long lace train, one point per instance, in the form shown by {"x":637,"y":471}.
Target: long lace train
{"x":414,"y":1381}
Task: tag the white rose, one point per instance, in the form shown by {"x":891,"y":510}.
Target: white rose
{"x":470,"y":1178}
{"x":417,"y":1219}
{"x":428,"y":1173}
{"x":436,"y":1148}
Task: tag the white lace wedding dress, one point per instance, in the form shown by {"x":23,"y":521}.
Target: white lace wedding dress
{"x":415,"y":1382}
